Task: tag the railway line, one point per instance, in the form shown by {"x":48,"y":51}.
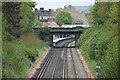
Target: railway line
{"x":57,"y":63}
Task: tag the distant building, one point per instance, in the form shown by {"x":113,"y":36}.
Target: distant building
{"x":44,"y":15}
{"x":50,"y":23}
{"x":47,"y":17}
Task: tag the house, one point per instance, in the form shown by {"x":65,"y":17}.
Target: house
{"x":47,"y":17}
{"x":44,"y":15}
{"x":50,"y":23}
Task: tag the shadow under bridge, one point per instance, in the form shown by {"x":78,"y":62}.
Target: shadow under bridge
{"x":65,"y":31}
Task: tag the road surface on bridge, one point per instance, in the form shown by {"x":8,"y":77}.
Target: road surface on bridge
{"x":62,"y":63}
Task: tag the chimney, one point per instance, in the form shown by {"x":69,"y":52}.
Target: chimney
{"x":36,"y":10}
{"x":53,"y":19}
{"x":41,"y":9}
{"x":50,"y":10}
{"x":49,"y":20}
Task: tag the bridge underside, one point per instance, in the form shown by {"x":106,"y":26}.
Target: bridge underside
{"x":76,"y":33}
{"x":61,"y":31}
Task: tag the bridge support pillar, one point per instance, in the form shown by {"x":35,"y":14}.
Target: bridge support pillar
{"x":62,"y":36}
{"x":51,"y":40}
{"x":75,"y":40}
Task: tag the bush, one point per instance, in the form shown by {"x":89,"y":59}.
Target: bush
{"x":14,"y":59}
{"x":44,"y":33}
{"x":18,"y":55}
{"x":32,"y":54}
{"x":101,"y":41}
{"x":110,"y":60}
{"x":101,"y":45}
{"x":27,"y":30}
{"x":7,"y":36}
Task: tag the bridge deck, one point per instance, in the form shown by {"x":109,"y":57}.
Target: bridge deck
{"x":62,"y":30}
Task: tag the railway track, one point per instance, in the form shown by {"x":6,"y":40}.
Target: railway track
{"x":61,"y":62}
{"x":75,"y":70}
{"x":42,"y":71}
{"x":78,"y":64}
{"x":48,"y":60}
{"x":64,"y":63}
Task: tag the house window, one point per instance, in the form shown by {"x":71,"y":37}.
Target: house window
{"x":45,"y":17}
{"x":40,"y":17}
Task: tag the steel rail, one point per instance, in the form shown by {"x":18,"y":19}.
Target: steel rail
{"x":73,"y":62}
{"x":41,"y":73}
{"x":63,"y":76}
{"x":64,"y":67}
{"x":53,"y":72}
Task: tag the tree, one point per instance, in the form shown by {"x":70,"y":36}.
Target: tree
{"x":27,"y":16}
{"x":105,"y":18}
{"x":19,"y":17}
{"x":96,"y":21}
{"x":63,"y":17}
{"x":37,"y":23}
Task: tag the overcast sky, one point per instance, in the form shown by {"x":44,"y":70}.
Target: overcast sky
{"x":54,"y":4}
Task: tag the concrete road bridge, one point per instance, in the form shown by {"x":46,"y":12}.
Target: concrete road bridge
{"x":76,"y":31}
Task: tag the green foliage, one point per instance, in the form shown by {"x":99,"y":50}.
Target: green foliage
{"x":6,"y":35}
{"x":63,"y":17}
{"x":13,"y":59}
{"x":26,"y":30}
{"x":19,"y":17}
{"x":112,"y":20}
{"x":11,"y":15}
{"x":44,"y":33}
{"x":103,"y":10}
{"x":99,"y":44}
{"x":11,"y":12}
{"x":110,"y":61}
{"x":27,"y":16}
{"x":18,"y":56}
{"x":37,"y":23}
{"x":32,"y":54}
{"x":96,"y":21}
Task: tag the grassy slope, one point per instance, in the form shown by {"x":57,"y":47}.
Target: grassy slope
{"x":16,"y":56}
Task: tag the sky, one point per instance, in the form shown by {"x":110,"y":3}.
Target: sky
{"x":54,"y":4}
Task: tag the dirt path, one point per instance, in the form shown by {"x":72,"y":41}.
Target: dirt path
{"x":86,"y":66}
